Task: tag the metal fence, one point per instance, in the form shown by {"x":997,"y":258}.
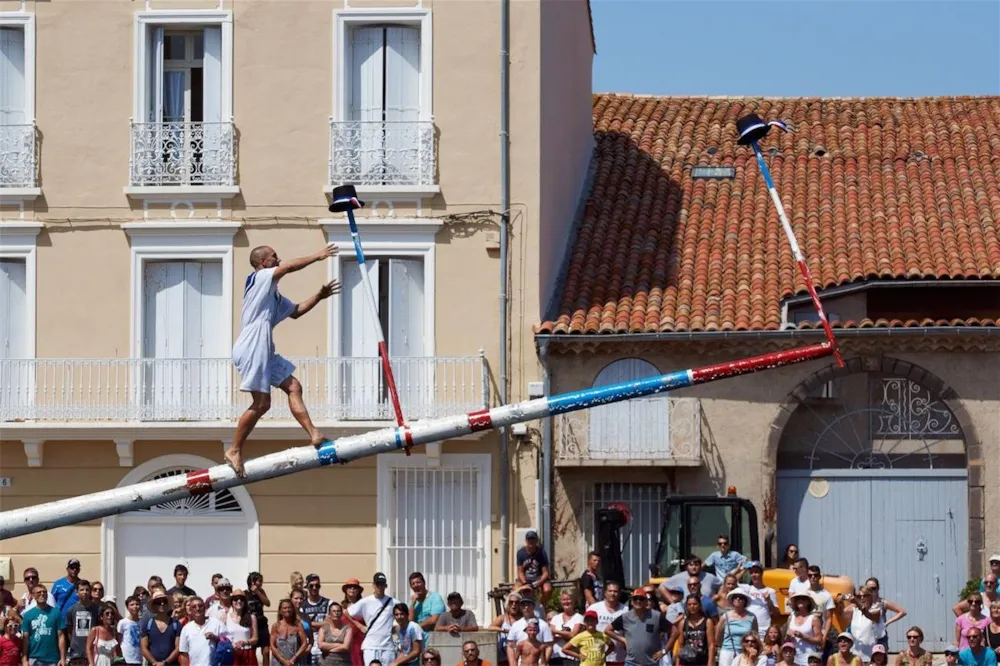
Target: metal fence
{"x":382,"y":153}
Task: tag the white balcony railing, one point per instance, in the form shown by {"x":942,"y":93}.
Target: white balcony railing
{"x":334,"y":389}
{"x":18,"y":157}
{"x":382,"y":153}
{"x":174,"y":154}
{"x":641,"y":430}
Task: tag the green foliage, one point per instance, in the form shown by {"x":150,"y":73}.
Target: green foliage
{"x":970,"y":587}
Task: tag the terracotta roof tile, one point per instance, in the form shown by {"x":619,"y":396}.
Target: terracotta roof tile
{"x":874,"y":188}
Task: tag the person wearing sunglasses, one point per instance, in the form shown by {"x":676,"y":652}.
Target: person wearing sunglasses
{"x":430,"y":657}
{"x":27,"y":601}
{"x":976,"y":653}
{"x":914,"y":655}
{"x":726,"y":561}
{"x":160,"y":635}
{"x":989,"y":593}
{"x":973,"y":619}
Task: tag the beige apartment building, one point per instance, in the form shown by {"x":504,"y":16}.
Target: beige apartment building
{"x":145,"y":148}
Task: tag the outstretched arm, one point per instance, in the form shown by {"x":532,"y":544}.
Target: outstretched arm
{"x":326,"y":291}
{"x":298,"y":264}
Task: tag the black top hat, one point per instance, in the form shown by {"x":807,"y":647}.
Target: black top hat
{"x":343,"y":198}
{"x":751,"y":129}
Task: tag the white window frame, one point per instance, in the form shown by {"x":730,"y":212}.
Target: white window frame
{"x":18,"y":240}
{"x":189,"y":18}
{"x":154,"y":241}
{"x":181,"y":19}
{"x":25,"y":21}
{"x":482,"y":461}
{"x":109,"y":563}
{"x":396,"y":239}
{"x":344,"y":20}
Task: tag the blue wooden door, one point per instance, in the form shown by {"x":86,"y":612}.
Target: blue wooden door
{"x":908,"y":528}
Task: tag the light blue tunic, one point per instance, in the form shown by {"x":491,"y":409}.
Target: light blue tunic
{"x":260,"y":367}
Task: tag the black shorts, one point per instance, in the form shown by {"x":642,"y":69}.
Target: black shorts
{"x":263,"y":634}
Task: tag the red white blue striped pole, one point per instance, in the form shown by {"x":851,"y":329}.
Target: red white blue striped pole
{"x":751,"y":130}
{"x":345,"y":200}
{"x":74,"y":510}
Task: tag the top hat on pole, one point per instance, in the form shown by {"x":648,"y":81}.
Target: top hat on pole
{"x":345,"y":198}
{"x":751,"y":129}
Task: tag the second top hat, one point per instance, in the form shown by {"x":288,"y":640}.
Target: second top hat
{"x":343,"y":196}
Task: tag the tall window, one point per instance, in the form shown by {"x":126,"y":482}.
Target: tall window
{"x":13,"y":110}
{"x":186,"y":364}
{"x":399,"y":285}
{"x":15,"y":388}
{"x":385,"y":101}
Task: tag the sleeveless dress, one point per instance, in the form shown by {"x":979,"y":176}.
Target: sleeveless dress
{"x":287,"y":646}
{"x":734,"y":631}
{"x":330,"y":635}
{"x":926,"y":659}
{"x":802,"y":646}
{"x":695,"y":650}
{"x":104,"y":652}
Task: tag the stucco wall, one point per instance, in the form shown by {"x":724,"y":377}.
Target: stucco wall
{"x":739,"y":417}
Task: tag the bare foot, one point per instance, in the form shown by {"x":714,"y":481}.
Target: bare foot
{"x":235,"y":461}
{"x":318,"y":439}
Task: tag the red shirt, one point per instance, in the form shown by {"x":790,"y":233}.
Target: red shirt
{"x":10,"y":651}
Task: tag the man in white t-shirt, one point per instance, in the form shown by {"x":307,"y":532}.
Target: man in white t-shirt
{"x":517,"y":632}
{"x":200,"y":635}
{"x":763,"y":599}
{"x":376,"y":611}
{"x":260,"y":367}
{"x":800,"y":583}
{"x":824,"y":606}
{"x":608,"y":611}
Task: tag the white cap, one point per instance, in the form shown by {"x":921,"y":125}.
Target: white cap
{"x":995,"y":557}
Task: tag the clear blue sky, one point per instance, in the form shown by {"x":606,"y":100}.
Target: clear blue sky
{"x":791,"y":48}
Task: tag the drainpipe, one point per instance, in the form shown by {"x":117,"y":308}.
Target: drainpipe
{"x":543,"y":356}
{"x":504,"y":220}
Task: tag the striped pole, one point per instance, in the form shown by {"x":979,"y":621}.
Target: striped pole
{"x":345,"y":200}
{"x":39,"y":518}
{"x":752,"y":129}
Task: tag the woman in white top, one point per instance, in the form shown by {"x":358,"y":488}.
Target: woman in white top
{"x":804,"y":628}
{"x":565,"y":625}
{"x":503,"y":622}
{"x":883,"y":606}
{"x":865,"y":619}
{"x":242,"y":626}
{"x":102,"y":642}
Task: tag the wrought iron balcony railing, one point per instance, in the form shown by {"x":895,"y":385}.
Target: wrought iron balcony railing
{"x":391,"y":153}
{"x":175,"y":154}
{"x":146,"y":389}
{"x":18,"y":156}
{"x":644,"y":429}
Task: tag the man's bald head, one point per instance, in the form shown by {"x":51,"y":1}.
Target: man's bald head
{"x":259,"y":254}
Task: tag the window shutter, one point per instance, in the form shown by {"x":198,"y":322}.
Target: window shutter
{"x":402,"y":74}
{"x":363,"y":374}
{"x":153,"y":91}
{"x":12,"y":101}
{"x":13,"y":309}
{"x":213,"y":159}
{"x":367,"y":69}
{"x":406,"y":335}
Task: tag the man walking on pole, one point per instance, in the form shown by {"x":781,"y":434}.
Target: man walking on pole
{"x":260,"y":367}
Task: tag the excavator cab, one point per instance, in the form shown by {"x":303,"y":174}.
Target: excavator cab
{"x":692,"y":526}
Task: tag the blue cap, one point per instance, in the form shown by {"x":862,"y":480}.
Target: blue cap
{"x":753,"y":564}
{"x":532,"y":534}
{"x":951,"y":649}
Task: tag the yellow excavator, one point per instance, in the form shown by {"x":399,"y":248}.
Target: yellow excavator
{"x":691,"y":526}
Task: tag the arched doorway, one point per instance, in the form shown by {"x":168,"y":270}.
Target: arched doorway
{"x":213,"y":533}
{"x":872,"y":481}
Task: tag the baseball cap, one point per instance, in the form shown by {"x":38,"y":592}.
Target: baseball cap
{"x":590,"y":615}
{"x":846,"y":635}
{"x":532,"y":534}
{"x":311,"y":577}
{"x":878,"y":647}
{"x":816,"y":656}
{"x":379,"y":579}
{"x":639,"y":593}
{"x":678,"y":589}
{"x":223,"y":582}
{"x":951,"y":649}
{"x":753,"y":564}
{"x":73,"y":563}
{"x":995,"y":557}
{"x":788,"y":645}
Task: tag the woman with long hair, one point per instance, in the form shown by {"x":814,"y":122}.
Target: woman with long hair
{"x":772,"y":644}
{"x":695,"y":635}
{"x":864,"y":620}
{"x":335,"y":638}
{"x":11,"y":645}
{"x":289,"y":644}
{"x":296,"y":582}
{"x":180,"y":608}
{"x":256,"y":602}
{"x":242,"y":626}
{"x":883,"y":606}
{"x":353,"y":591}
{"x":790,"y":556}
{"x":503,"y":622}
{"x":914,"y":654}
{"x":752,"y":652}
{"x":102,"y":642}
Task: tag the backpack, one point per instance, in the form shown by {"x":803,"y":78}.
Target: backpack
{"x":223,"y":653}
